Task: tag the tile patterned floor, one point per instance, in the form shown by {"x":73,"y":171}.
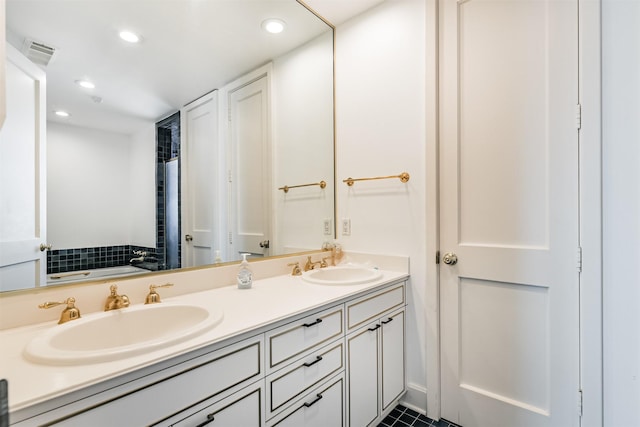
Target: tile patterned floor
{"x":405,"y":417}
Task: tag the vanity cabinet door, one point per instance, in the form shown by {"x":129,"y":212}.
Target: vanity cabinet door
{"x":362,"y":367}
{"x":392,"y":334}
{"x":376,"y":368}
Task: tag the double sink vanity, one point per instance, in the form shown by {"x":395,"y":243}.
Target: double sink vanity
{"x":325,"y":348}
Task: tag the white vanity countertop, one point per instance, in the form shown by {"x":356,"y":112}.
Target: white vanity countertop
{"x":268,"y":301}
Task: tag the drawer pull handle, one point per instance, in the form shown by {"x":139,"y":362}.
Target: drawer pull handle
{"x":307,"y":325}
{"x":318,"y":358}
{"x":308,"y":405}
{"x":210,"y":418}
{"x":375,"y":327}
{"x":389,"y":320}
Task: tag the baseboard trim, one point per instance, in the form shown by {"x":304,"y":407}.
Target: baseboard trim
{"x":415,"y":398}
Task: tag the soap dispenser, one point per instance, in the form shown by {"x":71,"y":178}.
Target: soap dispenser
{"x":244,"y":274}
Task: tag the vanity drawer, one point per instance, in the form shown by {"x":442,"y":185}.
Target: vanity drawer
{"x":322,"y":407}
{"x":219,"y":371}
{"x":369,"y":307}
{"x":241,"y":409}
{"x":296,"y":379}
{"x":290,"y":340}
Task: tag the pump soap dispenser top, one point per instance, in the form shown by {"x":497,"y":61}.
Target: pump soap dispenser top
{"x":244,"y":274}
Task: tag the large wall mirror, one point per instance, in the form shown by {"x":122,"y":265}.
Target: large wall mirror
{"x":132,"y":139}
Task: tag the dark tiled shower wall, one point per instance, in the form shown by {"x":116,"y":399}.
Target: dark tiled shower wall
{"x":64,"y":260}
{"x":167,"y":148}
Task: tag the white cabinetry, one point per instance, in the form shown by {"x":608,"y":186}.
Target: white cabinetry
{"x":375,"y":355}
{"x":175,"y":390}
{"x":334,"y":367}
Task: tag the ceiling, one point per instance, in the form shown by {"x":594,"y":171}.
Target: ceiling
{"x":188,"y":48}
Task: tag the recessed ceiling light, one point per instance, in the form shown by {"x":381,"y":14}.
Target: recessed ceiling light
{"x":130,"y":37}
{"x":273,"y":25}
{"x":62,"y":113}
{"x":85,"y":84}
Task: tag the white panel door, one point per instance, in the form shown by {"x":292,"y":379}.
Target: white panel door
{"x":250,"y":171}
{"x":201,"y":234}
{"x":23,"y":176}
{"x":509,"y":211}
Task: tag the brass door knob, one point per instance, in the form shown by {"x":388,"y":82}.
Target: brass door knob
{"x":188,"y":237}
{"x":44,"y":247}
{"x":450,"y":258}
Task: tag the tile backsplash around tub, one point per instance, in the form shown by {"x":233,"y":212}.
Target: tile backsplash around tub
{"x":64,"y":260}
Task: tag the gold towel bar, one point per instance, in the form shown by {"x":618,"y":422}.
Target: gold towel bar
{"x":404,"y":177}
{"x":286,"y":188}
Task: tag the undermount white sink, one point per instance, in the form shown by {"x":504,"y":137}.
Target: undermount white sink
{"x":112,"y":335}
{"x":342,"y":275}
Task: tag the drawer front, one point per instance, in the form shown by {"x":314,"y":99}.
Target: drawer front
{"x":296,"y":379}
{"x":226,"y":369}
{"x":292,"y":339}
{"x":323,"y":407}
{"x":241,"y":409}
{"x":369,"y":307}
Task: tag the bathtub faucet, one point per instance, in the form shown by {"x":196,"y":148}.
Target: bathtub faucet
{"x":140,"y":258}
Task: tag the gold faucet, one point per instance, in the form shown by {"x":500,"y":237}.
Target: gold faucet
{"x":296,"y":269}
{"x":326,"y":247}
{"x":310,"y":265}
{"x":115,"y":301}
{"x":71,"y":312}
{"x":153,"y":296}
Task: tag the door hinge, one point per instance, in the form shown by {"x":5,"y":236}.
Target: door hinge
{"x":437,"y":257}
{"x":579,"y":403}
{"x":229,"y":114}
{"x":229,"y":178}
{"x":579,"y":259}
{"x":230,"y":238}
{"x":578,"y":116}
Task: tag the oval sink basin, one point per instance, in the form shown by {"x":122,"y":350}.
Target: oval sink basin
{"x":112,"y":335}
{"x":342,"y":275}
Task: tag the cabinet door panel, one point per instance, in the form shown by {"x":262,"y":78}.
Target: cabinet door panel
{"x":392,"y":337}
{"x":362,"y":347}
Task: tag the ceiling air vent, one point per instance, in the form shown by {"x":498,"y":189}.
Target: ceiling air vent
{"x":37,"y":52}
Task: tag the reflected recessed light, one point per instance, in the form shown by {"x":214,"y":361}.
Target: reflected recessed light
{"x":130,"y":37}
{"x":273,"y":25}
{"x":62,"y":113}
{"x":85,"y":84}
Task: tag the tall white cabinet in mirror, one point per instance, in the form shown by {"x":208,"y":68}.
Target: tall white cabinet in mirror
{"x":22,"y":176}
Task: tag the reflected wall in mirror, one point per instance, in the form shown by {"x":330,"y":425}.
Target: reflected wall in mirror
{"x":104,"y":181}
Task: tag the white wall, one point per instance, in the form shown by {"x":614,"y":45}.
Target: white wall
{"x":380,"y":105}
{"x":142,"y":187}
{"x":621,"y":212}
{"x":302,"y":99}
{"x":90,"y":187}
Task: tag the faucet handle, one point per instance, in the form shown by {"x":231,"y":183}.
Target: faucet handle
{"x":296,"y":269}
{"x":153,"y":297}
{"x":323,"y":263}
{"x":71,"y":312}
